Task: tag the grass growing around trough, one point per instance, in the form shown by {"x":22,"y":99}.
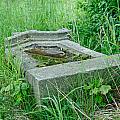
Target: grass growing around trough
{"x":95,"y":24}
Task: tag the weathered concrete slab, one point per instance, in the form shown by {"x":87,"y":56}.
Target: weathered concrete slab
{"x":67,"y":74}
{"x":71,"y":68}
{"x":71,"y":46}
{"x":77,"y":48}
{"x":34,"y":35}
{"x":64,"y":76}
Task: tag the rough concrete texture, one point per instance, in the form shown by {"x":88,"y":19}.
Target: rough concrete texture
{"x":68,"y":74}
{"x":62,"y":77}
{"x":34,"y":35}
{"x":30,"y":63}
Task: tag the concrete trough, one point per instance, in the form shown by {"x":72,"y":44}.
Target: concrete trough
{"x":61,"y":77}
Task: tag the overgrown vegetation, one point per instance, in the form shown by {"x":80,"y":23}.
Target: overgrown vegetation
{"x":101,"y":28}
{"x":58,"y":57}
{"x":95,"y":24}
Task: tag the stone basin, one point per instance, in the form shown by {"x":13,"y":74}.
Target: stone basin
{"x":58,"y":77}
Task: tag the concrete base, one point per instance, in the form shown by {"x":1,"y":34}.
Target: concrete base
{"x":65,"y":77}
{"x":62,"y":77}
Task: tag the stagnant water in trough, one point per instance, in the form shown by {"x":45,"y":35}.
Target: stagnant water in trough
{"x":52,"y":55}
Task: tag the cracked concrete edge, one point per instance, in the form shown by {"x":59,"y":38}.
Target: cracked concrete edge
{"x":67,"y":69}
{"x":65,"y":75}
{"x":77,"y":47}
{"x":30,"y":63}
{"x":17,"y":37}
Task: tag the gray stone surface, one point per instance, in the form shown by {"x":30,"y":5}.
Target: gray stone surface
{"x":34,"y":35}
{"x":77,"y":48}
{"x":71,"y":46}
{"x":67,"y":69}
{"x":66,"y":76}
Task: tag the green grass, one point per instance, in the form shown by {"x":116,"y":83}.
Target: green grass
{"x":94,"y":24}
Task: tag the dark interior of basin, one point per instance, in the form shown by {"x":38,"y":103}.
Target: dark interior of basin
{"x":51,"y":55}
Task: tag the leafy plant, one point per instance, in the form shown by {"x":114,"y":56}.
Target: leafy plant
{"x":18,"y":89}
{"x":98,"y":89}
{"x":102,"y":31}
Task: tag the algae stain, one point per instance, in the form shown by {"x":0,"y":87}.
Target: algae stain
{"x":44,"y":59}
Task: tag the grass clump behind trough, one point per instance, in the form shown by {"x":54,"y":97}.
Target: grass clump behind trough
{"x":101,"y":28}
